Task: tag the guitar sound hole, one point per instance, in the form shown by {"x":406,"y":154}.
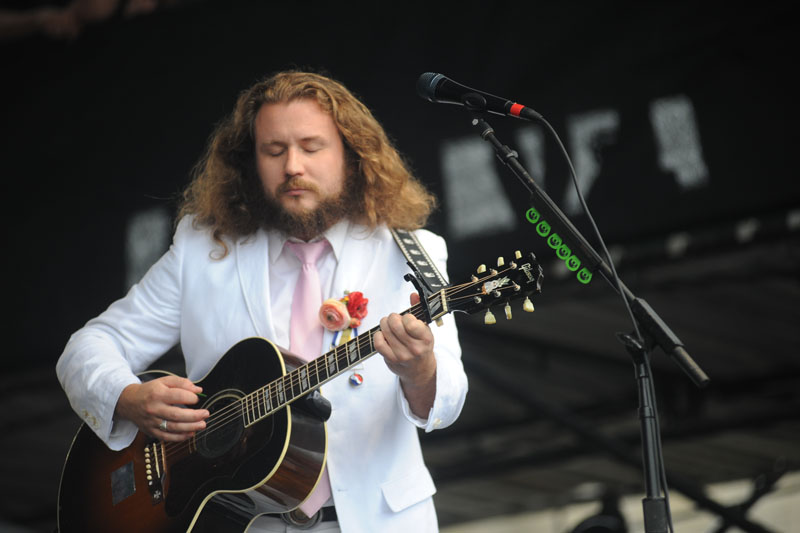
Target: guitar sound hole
{"x":224,"y":426}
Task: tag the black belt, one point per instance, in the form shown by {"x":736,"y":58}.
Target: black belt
{"x":298,"y":518}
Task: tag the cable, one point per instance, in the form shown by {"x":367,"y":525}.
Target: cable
{"x":618,"y":282}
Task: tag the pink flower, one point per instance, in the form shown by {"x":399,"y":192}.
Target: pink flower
{"x":333,"y":315}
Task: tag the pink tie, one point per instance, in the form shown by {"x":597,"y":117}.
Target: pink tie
{"x":305,"y":333}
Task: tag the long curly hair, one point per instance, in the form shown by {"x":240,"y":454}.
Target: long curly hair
{"x":226,"y":192}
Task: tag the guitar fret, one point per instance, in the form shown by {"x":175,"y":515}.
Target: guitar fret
{"x":290,"y":382}
{"x":294,"y":381}
{"x":338,"y":350}
{"x":245,"y":413}
{"x":369,"y":340}
{"x":331,"y":363}
{"x":279,"y":391}
{"x":303,"y":379}
{"x":313,"y":372}
{"x":352,"y":348}
{"x":262,"y":408}
{"x":341,"y":357}
{"x":317,"y":363}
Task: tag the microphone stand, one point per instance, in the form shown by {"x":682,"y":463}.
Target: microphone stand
{"x":655,"y":331}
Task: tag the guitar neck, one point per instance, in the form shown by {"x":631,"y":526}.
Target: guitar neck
{"x":480,"y":293}
{"x":281,"y":392}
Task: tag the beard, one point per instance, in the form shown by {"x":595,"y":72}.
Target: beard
{"x":307,"y":224}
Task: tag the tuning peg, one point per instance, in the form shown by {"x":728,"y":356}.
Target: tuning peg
{"x":439,"y":322}
{"x":508,"y":311}
{"x":527,"y":305}
{"x":517,"y":255}
{"x":500,"y":261}
{"x":489,"y":318}
{"x":481,"y":269}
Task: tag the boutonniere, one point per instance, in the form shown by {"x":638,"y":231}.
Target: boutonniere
{"x":344,"y":313}
{"x":342,"y":317}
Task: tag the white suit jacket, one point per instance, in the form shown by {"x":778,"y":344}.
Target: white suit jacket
{"x":378,"y":478}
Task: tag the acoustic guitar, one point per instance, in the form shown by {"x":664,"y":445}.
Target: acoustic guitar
{"x":263,"y":448}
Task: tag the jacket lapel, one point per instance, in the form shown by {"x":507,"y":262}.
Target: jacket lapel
{"x":354,"y":272}
{"x":252,"y":265}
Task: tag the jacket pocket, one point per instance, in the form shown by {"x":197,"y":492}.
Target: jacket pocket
{"x":405,"y":491}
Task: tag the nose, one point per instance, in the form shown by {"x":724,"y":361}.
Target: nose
{"x":293,"y":165}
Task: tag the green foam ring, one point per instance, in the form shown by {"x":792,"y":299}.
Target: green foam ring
{"x":533,"y":215}
{"x":584,"y":276}
{"x":543,"y":228}
{"x":573,"y":263}
{"x":564,"y":252}
{"x":554,"y":241}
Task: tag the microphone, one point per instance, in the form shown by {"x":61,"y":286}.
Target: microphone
{"x":440,"y":89}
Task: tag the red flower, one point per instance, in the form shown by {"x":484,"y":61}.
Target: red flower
{"x":357,"y":305}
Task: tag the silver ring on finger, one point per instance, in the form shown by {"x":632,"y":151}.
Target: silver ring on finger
{"x":163,"y":425}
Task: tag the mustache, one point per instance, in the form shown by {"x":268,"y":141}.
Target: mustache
{"x":297,"y":183}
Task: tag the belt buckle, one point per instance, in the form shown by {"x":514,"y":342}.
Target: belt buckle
{"x":298,"y":519}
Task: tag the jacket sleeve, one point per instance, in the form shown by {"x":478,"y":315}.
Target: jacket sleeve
{"x":451,"y":380}
{"x":104,"y":356}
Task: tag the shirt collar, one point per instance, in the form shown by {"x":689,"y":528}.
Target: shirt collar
{"x":335,"y":235}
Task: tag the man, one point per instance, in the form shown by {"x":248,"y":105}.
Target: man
{"x":299,"y":163}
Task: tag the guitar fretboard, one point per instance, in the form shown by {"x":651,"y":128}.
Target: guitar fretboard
{"x":262,"y":402}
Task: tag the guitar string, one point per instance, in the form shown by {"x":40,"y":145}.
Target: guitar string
{"x":340,"y":354}
{"x":233,"y":412}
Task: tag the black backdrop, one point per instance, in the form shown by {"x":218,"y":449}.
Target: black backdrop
{"x":110,"y":124}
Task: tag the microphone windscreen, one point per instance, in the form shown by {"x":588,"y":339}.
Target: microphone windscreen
{"x":426,"y":85}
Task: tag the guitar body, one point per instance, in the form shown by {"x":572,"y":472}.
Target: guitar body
{"x":241,"y":469}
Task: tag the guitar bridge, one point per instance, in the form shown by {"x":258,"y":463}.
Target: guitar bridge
{"x":154,"y":462}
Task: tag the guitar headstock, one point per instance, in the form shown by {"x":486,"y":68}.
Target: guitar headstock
{"x":518,"y":279}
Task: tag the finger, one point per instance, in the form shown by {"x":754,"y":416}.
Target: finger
{"x":416,"y":328}
{"x":181,"y":414}
{"x":177,"y":382}
{"x":381,"y":346}
{"x":396,"y":329}
{"x":175,"y":396}
{"x":392,"y":330}
{"x":414,"y":298}
{"x":409,"y":333}
{"x":401,"y":347}
{"x":176,"y":427}
{"x":172,"y":430}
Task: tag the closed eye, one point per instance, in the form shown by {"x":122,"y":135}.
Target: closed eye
{"x":273,"y":149}
{"x":311,"y":145}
